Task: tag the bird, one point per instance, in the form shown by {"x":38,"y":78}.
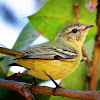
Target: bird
{"x":56,"y":59}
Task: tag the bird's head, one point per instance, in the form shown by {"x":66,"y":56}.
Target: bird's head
{"x":74,"y":34}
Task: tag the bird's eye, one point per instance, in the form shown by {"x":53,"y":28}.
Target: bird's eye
{"x":74,"y":30}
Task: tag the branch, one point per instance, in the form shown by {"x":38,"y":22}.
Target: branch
{"x":28,"y":90}
{"x":95,"y":66}
{"x":83,"y":59}
{"x":1,"y":69}
{"x":96,"y":56}
{"x":88,"y":95}
{"x":22,"y":86}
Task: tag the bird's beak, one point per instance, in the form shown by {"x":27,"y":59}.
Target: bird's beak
{"x":87,"y":28}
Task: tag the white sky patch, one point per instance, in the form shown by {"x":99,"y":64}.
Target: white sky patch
{"x":16,"y":69}
{"x":6,"y":34}
{"x":50,"y":83}
{"x":21,"y":7}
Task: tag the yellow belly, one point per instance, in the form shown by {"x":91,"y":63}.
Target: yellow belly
{"x":57,"y":69}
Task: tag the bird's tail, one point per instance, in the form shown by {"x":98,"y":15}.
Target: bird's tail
{"x":9,"y":52}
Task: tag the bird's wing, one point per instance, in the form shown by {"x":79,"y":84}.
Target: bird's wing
{"x":45,"y":52}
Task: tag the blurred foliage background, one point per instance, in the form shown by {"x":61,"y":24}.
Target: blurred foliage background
{"x":49,"y":17}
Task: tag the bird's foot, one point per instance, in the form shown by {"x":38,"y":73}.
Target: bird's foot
{"x":34,"y":81}
{"x":57,"y":86}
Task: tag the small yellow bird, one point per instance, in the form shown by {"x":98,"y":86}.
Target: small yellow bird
{"x":58,"y":58}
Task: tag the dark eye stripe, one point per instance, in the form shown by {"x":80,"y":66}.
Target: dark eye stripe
{"x":74,"y":30}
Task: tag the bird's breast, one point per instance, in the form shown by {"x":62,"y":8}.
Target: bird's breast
{"x":57,"y":69}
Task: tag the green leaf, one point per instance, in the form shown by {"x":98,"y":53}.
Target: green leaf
{"x":27,"y":36}
{"x":89,"y":48}
{"x":6,"y":94}
{"x":2,"y":75}
{"x":42,"y":97}
{"x":56,"y":14}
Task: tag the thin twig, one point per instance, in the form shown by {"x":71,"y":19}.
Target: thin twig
{"x":76,"y":8}
{"x":85,"y":55}
{"x":16,"y":75}
{"x":93,"y":3}
{"x":1,"y":69}
{"x":19,"y":91}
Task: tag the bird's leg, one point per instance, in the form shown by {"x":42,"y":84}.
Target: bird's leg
{"x":57,"y":86}
{"x":34,"y":81}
